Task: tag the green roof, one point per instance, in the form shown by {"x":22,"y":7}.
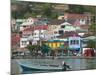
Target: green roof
{"x":56,"y":41}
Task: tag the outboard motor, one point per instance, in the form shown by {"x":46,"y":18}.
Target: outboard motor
{"x":65,"y":67}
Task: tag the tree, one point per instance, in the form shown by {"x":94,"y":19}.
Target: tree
{"x":47,"y":10}
{"x":54,"y":16}
{"x":33,"y":49}
{"x":91,"y":9}
{"x":92,"y":29}
{"x":76,"y":8}
{"x":91,"y":44}
{"x":28,"y":14}
{"x":82,"y":9}
{"x":45,"y":49}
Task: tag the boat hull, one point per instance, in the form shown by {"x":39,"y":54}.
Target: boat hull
{"x":31,"y":66}
{"x":25,"y":68}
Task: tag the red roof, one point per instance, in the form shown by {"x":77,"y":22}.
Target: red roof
{"x":41,"y":27}
{"x":28,"y":29}
{"x":38,"y":27}
{"x":75,"y":16}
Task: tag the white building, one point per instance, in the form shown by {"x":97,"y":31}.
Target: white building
{"x":23,"y":42}
{"x":39,"y":35}
{"x":28,"y":23}
{"x":63,"y":28}
{"x":75,"y":42}
{"x":33,"y":35}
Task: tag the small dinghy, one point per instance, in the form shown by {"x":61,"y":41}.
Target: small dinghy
{"x":39,"y":67}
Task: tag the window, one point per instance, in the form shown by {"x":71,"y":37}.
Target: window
{"x":73,"y":42}
{"x":61,"y":31}
{"x":24,"y":42}
{"x":63,"y":26}
{"x":77,"y":41}
{"x":31,"y":20}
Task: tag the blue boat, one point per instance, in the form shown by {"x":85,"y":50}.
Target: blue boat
{"x":29,"y":66}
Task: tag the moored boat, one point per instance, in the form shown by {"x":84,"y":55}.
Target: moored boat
{"x":29,"y":66}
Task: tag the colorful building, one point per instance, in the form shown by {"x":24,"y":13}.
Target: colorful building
{"x":72,"y":44}
{"x":56,"y":44}
{"x":75,"y":43}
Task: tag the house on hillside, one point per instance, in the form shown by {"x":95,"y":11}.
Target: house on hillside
{"x":18,"y":23}
{"x":79,"y":19}
{"x":33,"y":22}
{"x":52,"y":25}
{"x":33,"y":35}
{"x":65,"y":27}
{"x":28,"y":23}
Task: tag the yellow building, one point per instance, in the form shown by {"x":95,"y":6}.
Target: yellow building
{"x":54,"y":44}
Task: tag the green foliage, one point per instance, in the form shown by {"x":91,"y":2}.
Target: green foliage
{"x":45,"y":48}
{"x":81,"y":9}
{"x":76,"y":8}
{"x":27,"y":15}
{"x":91,"y":9}
{"x":26,"y":9}
{"x":91,"y":44}
{"x":47,"y":10}
{"x":54,"y":16}
{"x":33,"y":48}
{"x":93,"y":27}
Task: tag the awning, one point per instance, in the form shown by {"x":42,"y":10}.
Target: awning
{"x":74,"y":49}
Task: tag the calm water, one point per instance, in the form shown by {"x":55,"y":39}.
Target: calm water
{"x":75,"y":64}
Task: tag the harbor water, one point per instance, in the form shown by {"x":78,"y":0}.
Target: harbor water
{"x":75,"y":64}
